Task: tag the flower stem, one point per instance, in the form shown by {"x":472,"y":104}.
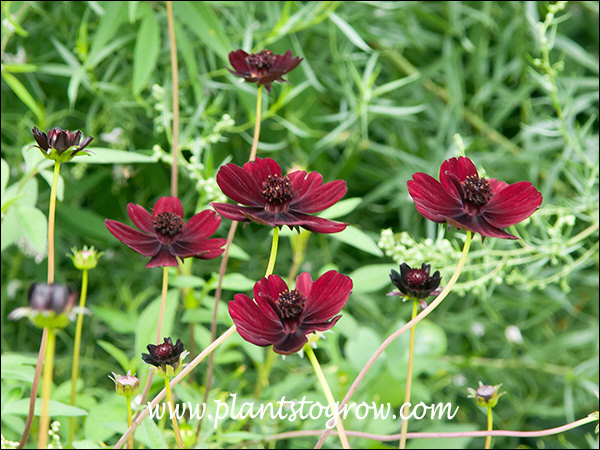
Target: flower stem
{"x":77,"y":346}
{"x":34,"y":388}
{"x":44,"y":342}
{"x":51,"y":219}
{"x":46,"y":387}
{"x":186,"y":370}
{"x":395,"y":334}
{"x":256,"y":124}
{"x":321,"y":376}
{"x":175,"y":84}
{"x":490,"y":424}
{"x":224,"y":260}
{"x":129,"y":415}
{"x":163,"y":301}
{"x":273,"y":255}
{"x":173,"y":416}
{"x":411,"y":354}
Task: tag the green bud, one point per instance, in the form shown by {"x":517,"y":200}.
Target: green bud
{"x":125,"y":385}
{"x":85,"y":259}
{"x":486,"y":395}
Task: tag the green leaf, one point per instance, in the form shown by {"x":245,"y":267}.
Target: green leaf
{"x":24,"y":95}
{"x":118,"y":321}
{"x":114,"y":15}
{"x":358,"y":239}
{"x":145,"y":54}
{"x":201,"y":20}
{"x":5,"y":177}
{"x":186,"y":281}
{"x":83,"y":222}
{"x":149,"y":431}
{"x":341,"y":208}
{"x":116,"y":353}
{"x":371,"y":278}
{"x":85,"y":444}
{"x":109,"y":156}
{"x":350,"y":32}
{"x":33,"y":225}
{"x":237,"y":282}
{"x":21,"y":408}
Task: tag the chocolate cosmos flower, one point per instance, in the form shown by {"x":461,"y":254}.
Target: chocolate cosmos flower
{"x":276,"y":200}
{"x":263,"y":67}
{"x":463,"y":199}
{"x":163,"y":354}
{"x":415,"y":283}
{"x":282,"y":317}
{"x":60,"y":145}
{"x":165,"y":237}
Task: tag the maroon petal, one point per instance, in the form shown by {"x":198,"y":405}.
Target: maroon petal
{"x":252,"y":324}
{"x":290,"y":343}
{"x":260,"y":169}
{"x":266,"y":294}
{"x":460,"y":167}
{"x":430,"y":198}
{"x":496,"y":185}
{"x":142,"y":243}
{"x":85,"y":142}
{"x":61,"y":141}
{"x":41,"y":138}
{"x":304,"y":283}
{"x":168,"y":204}
{"x":322,"y":326}
{"x":319,"y":225}
{"x":140,"y":217}
{"x":200,"y":226}
{"x":328,"y":295}
{"x":229,"y":211}
{"x":479,"y":225}
{"x":512,"y":204}
{"x":164,"y":258}
{"x":239,"y":185}
{"x":312,"y":195}
{"x":200,"y":248}
{"x":238,"y":61}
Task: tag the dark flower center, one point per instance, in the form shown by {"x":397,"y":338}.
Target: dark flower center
{"x":290,"y":304}
{"x":277,"y":190}
{"x":168,"y":223}
{"x":163,"y":351}
{"x":416,"y":278}
{"x":477,"y":191}
{"x":261,"y":61}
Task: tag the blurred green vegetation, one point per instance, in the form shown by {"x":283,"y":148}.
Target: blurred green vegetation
{"x":385,"y":89}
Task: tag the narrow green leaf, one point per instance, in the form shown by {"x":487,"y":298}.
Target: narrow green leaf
{"x":102,"y":155}
{"x":201,"y":20}
{"x":21,"y":408}
{"x":145,"y":54}
{"x":341,"y":208}
{"x":114,"y":15}
{"x":24,"y":95}
{"x":371,"y":278}
{"x":350,"y":32}
{"x":358,"y":239}
{"x":116,"y":353}
{"x":5,"y":176}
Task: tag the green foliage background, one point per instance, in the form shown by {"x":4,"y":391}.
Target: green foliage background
{"x":385,"y":89}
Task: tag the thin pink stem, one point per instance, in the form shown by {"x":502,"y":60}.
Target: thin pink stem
{"x":456,"y":434}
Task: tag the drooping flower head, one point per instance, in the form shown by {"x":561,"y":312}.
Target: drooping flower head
{"x":282,"y":317}
{"x":164,"y":235}
{"x":166,"y":357}
{"x":267,"y":197}
{"x":415,"y":283}
{"x":263,"y":67}
{"x":50,"y":305}
{"x":60,"y":145}
{"x":463,"y":199}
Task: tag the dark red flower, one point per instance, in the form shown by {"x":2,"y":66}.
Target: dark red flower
{"x":415,"y":283}
{"x":463,"y":199}
{"x":56,"y":144}
{"x":276,"y":200}
{"x":263,"y":67}
{"x":165,"y":236}
{"x":163,"y":354}
{"x":281,"y":317}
